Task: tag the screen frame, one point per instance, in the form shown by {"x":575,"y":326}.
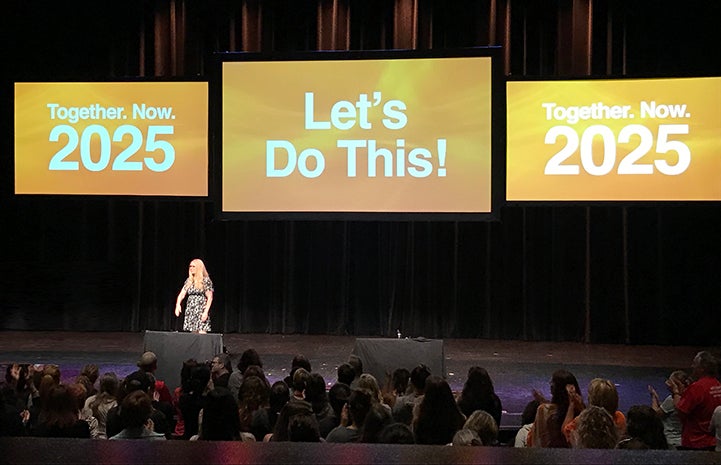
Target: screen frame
{"x":497,"y":133}
{"x":594,"y":203}
{"x":118,"y":80}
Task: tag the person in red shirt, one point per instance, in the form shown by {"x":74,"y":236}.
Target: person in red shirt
{"x":695,"y":404}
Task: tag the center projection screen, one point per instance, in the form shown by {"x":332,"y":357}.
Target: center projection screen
{"x":356,"y":135}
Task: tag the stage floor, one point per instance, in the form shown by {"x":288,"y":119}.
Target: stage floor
{"x":516,"y":367}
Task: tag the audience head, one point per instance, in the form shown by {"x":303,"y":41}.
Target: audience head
{"x":596,"y":429}
{"x":338,"y":395}
{"x":603,"y":393}
{"x":279,"y":396}
{"x":357,"y":364}
{"x":704,"y":364}
{"x":378,"y":417}
{"x":396,"y":433}
{"x":437,"y":417}
{"x":79,"y":393}
{"x":643,"y":424}
{"x":185,"y":373}
{"x":680,"y":377}
{"x":529,"y":412}
{"x":137,"y":381}
{"x":483,"y":424}
{"x":148,"y":362}
{"x":418,"y":377}
{"x":53,"y":371}
{"x":248,"y":358}
{"x":253,"y":393}
{"x":369,"y":382}
{"x":301,"y":377}
{"x":315,"y":391}
{"x":479,"y":382}
{"x":359,"y":404}
{"x":303,"y":427}
{"x":299,"y":361}
{"x":399,"y":380}
{"x":61,"y":407}
{"x":257,"y":371}
{"x":466,"y":437}
{"x":220,"y":416}
{"x":280,"y":431}
{"x":109,"y":384}
{"x":559,"y":396}
{"x":91,"y":371}
{"x":346,"y":374}
{"x":86,"y":383}
{"x":136,"y":409}
{"x":221,"y":364}
{"x":198,"y":382}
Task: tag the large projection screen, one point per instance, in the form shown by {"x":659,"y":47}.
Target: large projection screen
{"x":614,"y":140}
{"x":112,"y":138}
{"x":357,"y":134}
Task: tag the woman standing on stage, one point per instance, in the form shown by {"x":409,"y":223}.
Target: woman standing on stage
{"x":199,"y":289}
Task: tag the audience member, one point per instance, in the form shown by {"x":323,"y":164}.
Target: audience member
{"x":247,"y":358}
{"x":601,"y":393}
{"x":546,"y":430}
{"x":254,"y":396}
{"x":149,"y":364}
{"x":437,"y":418}
{"x":92,"y":373}
{"x":645,"y":427}
{"x":396,"y":433}
{"x":316,"y":394}
{"x":101,"y":403}
{"x":666,"y":410}
{"x":466,"y":437}
{"x":220,"y":369}
{"x":346,"y":374}
{"x":696,"y":403}
{"x":404,"y":405}
{"x":357,"y":364}
{"x":484,"y":425}
{"x":338,"y":395}
{"x":352,"y":417}
{"x":378,"y":417}
{"x":264,"y":419}
{"x":527,"y":418}
{"x":596,"y":429}
{"x":303,"y":427}
{"x":478,"y":394}
{"x":193,"y":399}
{"x":292,"y":408}
{"x":59,"y":417}
{"x":299,"y":361}
{"x":136,"y":410}
{"x":220,"y":420}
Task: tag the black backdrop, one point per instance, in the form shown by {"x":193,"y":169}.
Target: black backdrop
{"x":602,"y":273}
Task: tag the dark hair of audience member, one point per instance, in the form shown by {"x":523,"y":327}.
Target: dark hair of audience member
{"x":248,"y":358}
{"x":396,"y":433}
{"x":399,"y":381}
{"x":220,"y":416}
{"x":478,"y":394}
{"x":438,"y":416}
{"x":279,"y":396}
{"x":644,"y":424}
{"x":359,"y":404}
{"x":418,"y":377}
{"x":596,"y":429}
{"x":299,"y":361}
{"x":303,"y":427}
{"x":136,"y":409}
{"x":528,"y":415}
{"x":357,"y":364}
{"x":346,"y":374}
{"x":257,"y":371}
{"x":376,"y":419}
{"x":91,"y":371}
{"x":18,"y":386}
{"x":484,"y":425}
{"x":253,"y":395}
{"x":185,"y":372}
{"x":315,"y":392}
{"x":559,"y":396}
{"x":466,"y":437}
{"x":280,"y":432}
{"x":707,"y":364}
{"x":301,"y":376}
{"x":108,"y":391}
{"x":338,"y":395}
{"x":61,"y":408}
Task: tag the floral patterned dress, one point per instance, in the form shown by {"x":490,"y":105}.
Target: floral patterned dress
{"x":195,"y":304}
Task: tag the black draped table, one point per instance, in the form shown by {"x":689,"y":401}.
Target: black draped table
{"x":173,"y":348}
{"x":383,"y":355}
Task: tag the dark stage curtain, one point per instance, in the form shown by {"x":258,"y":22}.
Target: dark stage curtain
{"x":642,"y":274}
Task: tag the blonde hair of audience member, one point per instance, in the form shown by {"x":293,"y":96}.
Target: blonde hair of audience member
{"x":596,"y":430}
{"x":466,"y":437}
{"x":483,"y":424}
{"x":603,"y":393}
{"x":368,"y":381}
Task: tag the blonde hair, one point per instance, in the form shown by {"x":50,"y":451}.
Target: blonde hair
{"x":603,"y":393}
{"x":483,"y":424}
{"x":201,"y":273}
{"x":368,"y":381}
